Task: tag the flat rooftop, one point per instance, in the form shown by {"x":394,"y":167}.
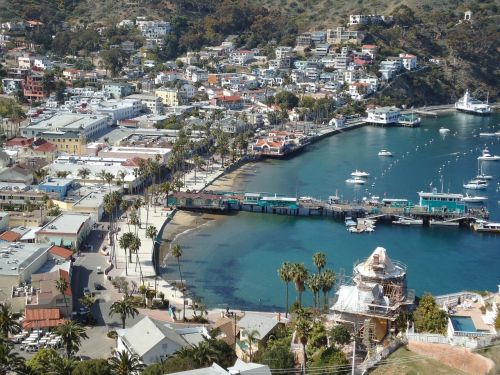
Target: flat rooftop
{"x":67,"y":223}
{"x":67,"y":122}
{"x":16,"y":256}
{"x":92,"y":200}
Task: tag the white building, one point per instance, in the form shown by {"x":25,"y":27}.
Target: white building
{"x":151,"y":102}
{"x":43,"y":63}
{"x":283,"y":51}
{"x":343,"y":35}
{"x":87,"y":125}
{"x":409,"y":61}
{"x":154,"y":341}
{"x":383,"y":115}
{"x":369,"y":19}
{"x":119,"y":109}
{"x":25,"y":62}
{"x":153,"y":29}
{"x":241,"y":57}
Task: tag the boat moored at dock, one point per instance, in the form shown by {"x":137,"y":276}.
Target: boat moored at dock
{"x":473,"y":199}
{"x":485,"y":226}
{"x":470,"y":105}
{"x":408,"y":221}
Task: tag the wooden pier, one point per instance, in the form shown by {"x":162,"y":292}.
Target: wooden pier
{"x":219,"y":202}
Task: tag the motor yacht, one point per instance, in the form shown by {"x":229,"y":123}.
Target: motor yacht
{"x":486,"y":156}
{"x":357,"y":173}
{"x":384,"y":153}
{"x":356,"y":180}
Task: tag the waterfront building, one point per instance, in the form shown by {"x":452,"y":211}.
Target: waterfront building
{"x":383,"y":115}
{"x":442,"y":202}
{"x":371,"y":303}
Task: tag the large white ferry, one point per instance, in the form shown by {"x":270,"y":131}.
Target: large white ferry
{"x":470,"y":105}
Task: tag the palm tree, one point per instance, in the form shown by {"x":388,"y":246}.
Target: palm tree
{"x":251,"y":338}
{"x":61,"y":366}
{"x":10,"y":361}
{"x":302,"y":330}
{"x":151,"y":232}
{"x":9,"y":323}
{"x":135,"y":246}
{"x":124,"y":363}
{"x":198,"y":163}
{"x":165,"y":188}
{"x":124,"y":308}
{"x":62,"y":286}
{"x":327,"y":283}
{"x":84,"y":173}
{"x":40,"y":174}
{"x":125,"y":241}
{"x":204,"y":354}
{"x":319,"y":260}
{"x":314,"y":283}
{"x":285,"y":274}
{"x":87,"y":301}
{"x":177,"y":253}
{"x":71,"y":334}
{"x":299,"y":275}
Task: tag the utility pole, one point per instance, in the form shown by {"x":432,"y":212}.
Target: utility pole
{"x":353,"y":355}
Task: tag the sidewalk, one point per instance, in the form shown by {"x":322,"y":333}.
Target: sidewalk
{"x":203,"y":178}
{"x":144,"y":255}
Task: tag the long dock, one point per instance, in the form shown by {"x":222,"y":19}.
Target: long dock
{"x":265,"y":203}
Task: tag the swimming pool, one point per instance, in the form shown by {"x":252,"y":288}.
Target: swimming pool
{"x":463,"y":324}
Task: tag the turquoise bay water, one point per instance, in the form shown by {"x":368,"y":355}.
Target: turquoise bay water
{"x":234,"y":260}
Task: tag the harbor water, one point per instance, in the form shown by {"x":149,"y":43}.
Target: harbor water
{"x":234,"y":260}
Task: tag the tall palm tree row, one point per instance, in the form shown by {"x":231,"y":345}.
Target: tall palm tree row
{"x":177,"y":253}
{"x":285,"y":274}
{"x":323,"y":281}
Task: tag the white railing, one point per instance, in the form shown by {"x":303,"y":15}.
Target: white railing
{"x":427,"y":337}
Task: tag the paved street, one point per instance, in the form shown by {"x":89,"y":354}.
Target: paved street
{"x":85,"y":274}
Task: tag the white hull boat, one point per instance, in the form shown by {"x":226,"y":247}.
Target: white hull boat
{"x":356,"y":181}
{"x":474,"y":199}
{"x":486,"y":156}
{"x":487,"y":227}
{"x":475,"y":186}
{"x":444,"y":130}
{"x":444,"y":223}
{"x":357,"y":173}
{"x":404,"y":221}
{"x":384,"y":153}
{"x":470,"y":105}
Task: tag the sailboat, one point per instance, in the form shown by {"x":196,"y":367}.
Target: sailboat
{"x":480,"y":173}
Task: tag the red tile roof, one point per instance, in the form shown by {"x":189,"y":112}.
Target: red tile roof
{"x":60,"y":252}
{"x":42,"y":318}
{"x":45,"y":147}
{"x":10,"y":236}
{"x":19,"y":141}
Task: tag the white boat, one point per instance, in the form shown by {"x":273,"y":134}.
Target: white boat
{"x":356,"y":180}
{"x":470,"y":105}
{"x":486,"y":156}
{"x":473,"y":199}
{"x":480,"y":173}
{"x":476,"y":184}
{"x":444,"y":130}
{"x":486,"y":134}
{"x":444,"y":223}
{"x":486,"y":227}
{"x":384,"y":153}
{"x":357,"y":173}
{"x":406,"y":221}
{"x":349,"y":222}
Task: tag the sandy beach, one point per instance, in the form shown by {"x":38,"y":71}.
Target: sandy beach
{"x":184,"y":221}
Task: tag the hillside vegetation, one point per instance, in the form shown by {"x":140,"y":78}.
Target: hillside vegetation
{"x":467,"y":52}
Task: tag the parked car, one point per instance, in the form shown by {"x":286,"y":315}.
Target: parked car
{"x":86,"y":291}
